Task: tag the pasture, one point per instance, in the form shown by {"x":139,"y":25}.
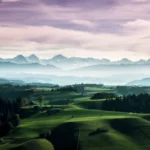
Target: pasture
{"x":77,"y":127}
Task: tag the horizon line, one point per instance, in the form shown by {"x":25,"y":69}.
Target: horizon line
{"x":76,"y":57}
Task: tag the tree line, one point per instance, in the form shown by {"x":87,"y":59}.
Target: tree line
{"x":103,"y":95}
{"x":78,"y":88}
{"x":9,"y":115}
{"x":131,"y":103}
{"x":129,"y":90}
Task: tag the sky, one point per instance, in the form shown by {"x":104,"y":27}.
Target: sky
{"x":112,"y":29}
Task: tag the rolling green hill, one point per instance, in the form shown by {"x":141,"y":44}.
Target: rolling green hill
{"x":77,"y":127}
{"x":36,"y":144}
{"x":97,"y":129}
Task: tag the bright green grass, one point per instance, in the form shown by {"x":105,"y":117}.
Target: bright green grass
{"x":52,"y":96}
{"x":90,"y":104}
{"x":43,"y":89}
{"x":87,"y":99}
{"x":88,"y":121}
{"x":75,"y":106}
{"x":38,"y":144}
{"x":95,"y":89}
{"x":39,"y":122}
{"x":90,"y":91}
{"x":35,"y":144}
{"x":48,"y":96}
{"x":82,"y":98}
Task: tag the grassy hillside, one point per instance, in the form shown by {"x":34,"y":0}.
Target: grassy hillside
{"x":36,"y":144}
{"x":77,"y":127}
{"x":97,"y":129}
{"x":57,"y":96}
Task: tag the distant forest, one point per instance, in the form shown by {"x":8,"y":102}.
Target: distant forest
{"x":131,"y":103}
{"x":9,"y":118}
{"x":13,"y":98}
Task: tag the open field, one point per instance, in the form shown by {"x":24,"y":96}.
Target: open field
{"x":97,"y":129}
{"x":52,"y":96}
{"x":91,"y":124}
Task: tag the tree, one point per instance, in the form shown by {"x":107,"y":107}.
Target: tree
{"x":24,"y":102}
{"x":80,"y":88}
{"x":8,"y":117}
{"x":41,"y":100}
{"x":15,"y":120}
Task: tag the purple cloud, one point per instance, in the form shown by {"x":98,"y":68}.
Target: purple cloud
{"x":100,"y":25}
{"x":49,"y":10}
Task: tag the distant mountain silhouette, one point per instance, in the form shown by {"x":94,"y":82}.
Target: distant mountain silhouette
{"x":20,"y":82}
{"x":20,"y":59}
{"x":142,"y":82}
{"x":59,"y":58}
{"x":66,"y":63}
{"x":142,"y":61}
{"x":33,"y":59}
{"x":6,"y":81}
{"x":109,"y":74}
{"x":30,"y":67}
{"x":124,"y":61}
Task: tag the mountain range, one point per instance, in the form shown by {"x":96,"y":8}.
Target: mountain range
{"x":33,"y":68}
{"x":142,"y":82}
{"x":74,"y":70}
{"x":20,"y":82}
{"x":66,"y":63}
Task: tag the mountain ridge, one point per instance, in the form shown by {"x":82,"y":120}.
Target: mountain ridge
{"x":64,"y":62}
{"x":142,"y":82}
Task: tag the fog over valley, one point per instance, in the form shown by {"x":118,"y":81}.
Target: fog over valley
{"x":63,"y":70}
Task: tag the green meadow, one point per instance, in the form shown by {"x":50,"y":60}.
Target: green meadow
{"x":98,"y":130}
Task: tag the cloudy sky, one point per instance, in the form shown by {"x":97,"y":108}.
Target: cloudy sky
{"x":111,"y":29}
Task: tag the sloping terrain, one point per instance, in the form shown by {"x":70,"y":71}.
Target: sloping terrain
{"x":90,"y":129}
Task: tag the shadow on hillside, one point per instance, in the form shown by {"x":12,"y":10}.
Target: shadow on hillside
{"x":98,"y":131}
{"x":125,"y":125}
{"x":135,"y":128}
{"x":21,"y":140}
{"x":65,"y":137}
{"x":146,"y":117}
{"x":26,"y":113}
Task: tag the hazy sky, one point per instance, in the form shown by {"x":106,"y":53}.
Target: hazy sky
{"x":111,"y":29}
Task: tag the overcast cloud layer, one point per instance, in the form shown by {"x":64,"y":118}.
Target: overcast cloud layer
{"x":111,"y":29}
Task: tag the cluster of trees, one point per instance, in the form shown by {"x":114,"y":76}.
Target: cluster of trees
{"x":61,"y":102}
{"x":103,"y":95}
{"x":13,"y":92}
{"x":78,"y":88}
{"x":68,"y":88}
{"x":131,"y":103}
{"x":94,"y":85}
{"x":128,"y":90}
{"x":41,"y":100}
{"x":9,"y":117}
